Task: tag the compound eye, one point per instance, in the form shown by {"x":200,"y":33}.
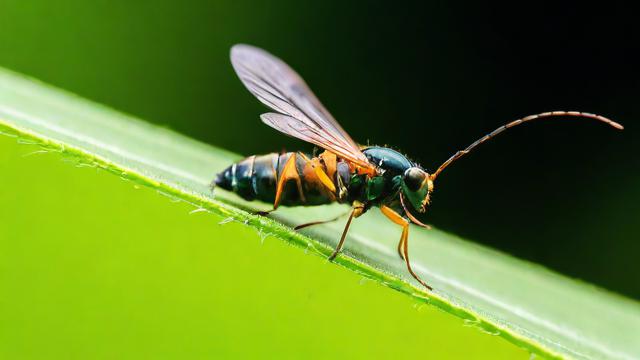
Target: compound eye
{"x":414,"y":178}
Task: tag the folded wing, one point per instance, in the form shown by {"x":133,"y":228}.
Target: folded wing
{"x":300,"y":113}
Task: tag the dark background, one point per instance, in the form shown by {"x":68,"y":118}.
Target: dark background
{"x":426,"y":79}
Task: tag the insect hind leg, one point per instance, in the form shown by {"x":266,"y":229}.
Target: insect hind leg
{"x":313,"y":223}
{"x":289,"y":172}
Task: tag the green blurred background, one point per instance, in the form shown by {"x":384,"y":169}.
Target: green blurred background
{"x":427,"y":79}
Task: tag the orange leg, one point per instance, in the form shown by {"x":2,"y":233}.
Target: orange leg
{"x":358,"y":209}
{"x":318,"y":171}
{"x":403,"y":246}
{"x":314,"y":173}
{"x":289,"y":172}
{"x":324,"y":179}
{"x":401,"y":249}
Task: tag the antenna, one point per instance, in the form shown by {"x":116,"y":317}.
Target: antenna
{"x":502,"y":128}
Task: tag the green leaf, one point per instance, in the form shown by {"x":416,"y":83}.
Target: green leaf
{"x":534,"y":308}
{"x":94,"y":267}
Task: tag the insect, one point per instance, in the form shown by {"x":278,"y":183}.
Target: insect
{"x":344,"y":172}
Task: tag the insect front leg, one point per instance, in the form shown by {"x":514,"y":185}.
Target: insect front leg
{"x":403,"y":246}
{"x":401,"y":249}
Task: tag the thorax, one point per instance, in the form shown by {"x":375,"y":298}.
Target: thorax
{"x":382,"y":187}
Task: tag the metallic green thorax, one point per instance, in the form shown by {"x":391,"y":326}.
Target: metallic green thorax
{"x":397,"y":173}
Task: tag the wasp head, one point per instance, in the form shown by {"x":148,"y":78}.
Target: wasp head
{"x":417,"y":187}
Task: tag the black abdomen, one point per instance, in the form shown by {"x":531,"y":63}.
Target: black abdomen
{"x":255,"y":178}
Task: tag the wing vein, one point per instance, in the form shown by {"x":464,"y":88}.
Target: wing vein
{"x":301,"y":114}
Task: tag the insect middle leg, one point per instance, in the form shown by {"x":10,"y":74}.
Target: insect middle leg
{"x":403,"y":246}
{"x":358,"y":209}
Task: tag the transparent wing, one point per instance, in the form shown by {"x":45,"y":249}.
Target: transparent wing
{"x":296,"y":128}
{"x":301,"y":114}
